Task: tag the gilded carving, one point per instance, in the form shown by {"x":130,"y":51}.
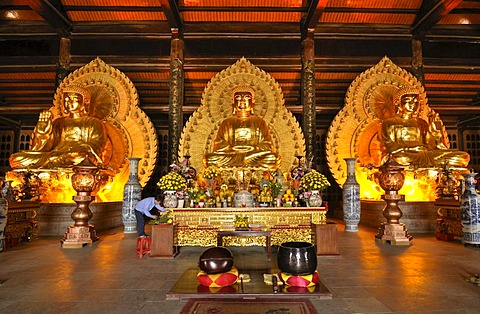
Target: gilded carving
{"x":353,"y":132}
{"x":199,"y":227}
{"x":200,"y":130}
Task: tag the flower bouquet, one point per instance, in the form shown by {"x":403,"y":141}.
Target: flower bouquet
{"x":275,"y":187}
{"x":314,"y":181}
{"x":172,"y":181}
{"x":211,"y":173}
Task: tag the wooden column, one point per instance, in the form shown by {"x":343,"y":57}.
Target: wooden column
{"x":308,"y":93}
{"x":417,"y":60}
{"x":175,"y":117}
{"x":64,"y":58}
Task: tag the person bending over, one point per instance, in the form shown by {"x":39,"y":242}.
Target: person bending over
{"x":148,"y":208}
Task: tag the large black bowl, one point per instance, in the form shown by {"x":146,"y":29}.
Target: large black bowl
{"x":297,"y":258}
{"x":216,"y":260}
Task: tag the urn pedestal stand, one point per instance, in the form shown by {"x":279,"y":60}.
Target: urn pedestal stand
{"x":391,"y":181}
{"x":82,"y":233}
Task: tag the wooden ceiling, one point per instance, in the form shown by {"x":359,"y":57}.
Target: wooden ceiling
{"x":134,"y":36}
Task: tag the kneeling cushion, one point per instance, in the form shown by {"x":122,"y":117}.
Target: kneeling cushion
{"x":300,"y":281}
{"x":218,"y":280}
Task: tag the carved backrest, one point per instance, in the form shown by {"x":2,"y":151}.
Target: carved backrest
{"x":354,"y":130}
{"x":114,"y":100}
{"x":199,"y":132}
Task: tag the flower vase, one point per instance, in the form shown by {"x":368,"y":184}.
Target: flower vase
{"x":3,"y":221}
{"x":470,"y":211}
{"x":170,"y":200}
{"x":7,"y":191}
{"x":351,"y":198}
{"x":132,"y":194}
{"x":315,"y":199}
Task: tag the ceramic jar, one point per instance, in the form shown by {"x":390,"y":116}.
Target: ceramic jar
{"x":351,"y":198}
{"x":3,"y":221}
{"x":132,"y":194}
{"x":297,"y":258}
{"x":315,"y":199}
{"x":470,"y":211}
{"x":170,"y":200}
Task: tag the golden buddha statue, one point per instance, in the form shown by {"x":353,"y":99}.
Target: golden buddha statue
{"x":243,"y":140}
{"x":65,"y":141}
{"x":412,"y":141}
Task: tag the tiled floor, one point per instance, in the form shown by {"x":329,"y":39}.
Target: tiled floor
{"x":427,"y":277}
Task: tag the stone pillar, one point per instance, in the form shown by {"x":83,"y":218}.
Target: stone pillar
{"x":176,"y":99}
{"x":308,"y":93}
{"x":64,"y":58}
{"x":417,"y":60}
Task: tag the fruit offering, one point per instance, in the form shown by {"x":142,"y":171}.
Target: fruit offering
{"x":288,"y":196}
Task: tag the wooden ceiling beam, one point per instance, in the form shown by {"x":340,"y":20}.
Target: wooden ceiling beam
{"x":314,"y":13}
{"x":430,"y":14}
{"x":170,"y":9}
{"x":26,"y":30}
{"x":250,"y":30}
{"x":52,"y":15}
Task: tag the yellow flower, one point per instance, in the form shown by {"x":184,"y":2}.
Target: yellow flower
{"x":314,"y":181}
{"x":172,"y":181}
{"x":211,"y":172}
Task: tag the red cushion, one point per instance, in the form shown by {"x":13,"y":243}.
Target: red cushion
{"x":227,"y":289}
{"x":300,"y":281}
{"x":218,"y":280}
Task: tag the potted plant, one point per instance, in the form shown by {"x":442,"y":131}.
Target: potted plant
{"x":312,"y":183}
{"x":171,"y":183}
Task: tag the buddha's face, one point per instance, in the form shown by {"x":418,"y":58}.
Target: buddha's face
{"x":408,"y":103}
{"x":243,"y":101}
{"x":73,"y":102}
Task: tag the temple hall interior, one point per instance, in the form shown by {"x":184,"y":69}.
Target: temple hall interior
{"x":352,"y":126}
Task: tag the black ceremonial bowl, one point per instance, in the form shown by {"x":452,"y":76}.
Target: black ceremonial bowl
{"x":297,"y":258}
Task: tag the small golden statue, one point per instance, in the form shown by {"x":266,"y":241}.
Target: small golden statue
{"x":265,"y":197}
{"x":412,"y":141}
{"x":65,"y":141}
{"x":243,"y":140}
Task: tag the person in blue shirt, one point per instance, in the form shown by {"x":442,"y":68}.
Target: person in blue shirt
{"x":148,"y":207}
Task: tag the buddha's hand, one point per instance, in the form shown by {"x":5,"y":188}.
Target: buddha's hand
{"x":243,"y":148}
{"x":44,"y":124}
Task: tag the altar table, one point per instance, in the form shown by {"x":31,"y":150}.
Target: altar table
{"x":200,"y":226}
{"x":246,"y":233}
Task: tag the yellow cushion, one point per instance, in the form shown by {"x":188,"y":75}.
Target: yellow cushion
{"x":218,"y":280}
{"x":300,"y":281}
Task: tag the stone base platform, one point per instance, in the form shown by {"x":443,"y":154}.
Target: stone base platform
{"x":55,"y":218}
{"x":418,"y":217}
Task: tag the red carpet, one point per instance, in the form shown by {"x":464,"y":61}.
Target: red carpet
{"x":256,"y":306}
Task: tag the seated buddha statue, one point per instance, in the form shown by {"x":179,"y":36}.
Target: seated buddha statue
{"x":412,"y":141}
{"x":67,"y":140}
{"x":243,"y":140}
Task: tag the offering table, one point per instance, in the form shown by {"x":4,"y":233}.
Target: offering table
{"x":200,"y":226}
